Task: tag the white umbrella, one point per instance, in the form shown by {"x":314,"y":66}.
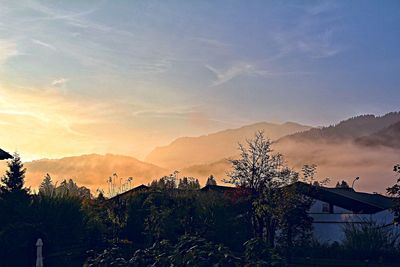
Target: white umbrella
{"x":39,"y":257}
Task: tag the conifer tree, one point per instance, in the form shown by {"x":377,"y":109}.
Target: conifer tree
{"x":14,"y":179}
{"x":46,"y":187}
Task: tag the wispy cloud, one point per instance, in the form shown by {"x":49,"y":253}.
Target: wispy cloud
{"x":313,"y":34}
{"x":239,"y":69}
{"x":59,"y":82}
{"x":47,"y":45}
{"x":247,"y":69}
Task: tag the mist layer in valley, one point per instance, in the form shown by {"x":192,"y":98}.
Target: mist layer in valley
{"x":364,"y":146}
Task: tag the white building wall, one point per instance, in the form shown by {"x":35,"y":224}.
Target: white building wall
{"x":328,"y":227}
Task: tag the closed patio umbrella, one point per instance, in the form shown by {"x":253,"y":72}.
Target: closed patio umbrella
{"x":4,"y":155}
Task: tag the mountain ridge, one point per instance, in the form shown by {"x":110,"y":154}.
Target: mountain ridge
{"x":349,"y":129}
{"x":218,"y":144}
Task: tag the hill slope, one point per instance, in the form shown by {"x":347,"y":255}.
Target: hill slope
{"x":347,"y":130}
{"x":187,"y":151}
{"x":389,"y":137}
{"x":91,"y":170}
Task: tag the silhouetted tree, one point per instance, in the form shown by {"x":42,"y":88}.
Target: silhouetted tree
{"x":309,"y":172}
{"x":71,"y":189}
{"x":342,"y":184}
{"x":257,"y":166}
{"x":211,"y":180}
{"x":394,"y":191}
{"x":264,"y":174}
{"x":14,"y":179}
{"x":165,"y":182}
{"x":47,"y":187}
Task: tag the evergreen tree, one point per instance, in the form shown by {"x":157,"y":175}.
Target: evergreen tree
{"x":47,"y":188}
{"x":14,"y":179}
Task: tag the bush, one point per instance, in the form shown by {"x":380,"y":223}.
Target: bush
{"x":188,"y":251}
{"x":257,"y":253}
{"x":369,"y":238}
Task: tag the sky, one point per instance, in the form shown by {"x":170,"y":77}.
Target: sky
{"x":122,"y":77}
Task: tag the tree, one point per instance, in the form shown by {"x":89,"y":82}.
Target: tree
{"x":266,"y":176}
{"x":257,"y":166}
{"x":71,"y":189}
{"x":189,"y":183}
{"x":394,"y":191}
{"x":211,"y":180}
{"x":14,"y":179}
{"x":309,"y":171}
{"x":47,"y":187}
{"x":342,"y":184}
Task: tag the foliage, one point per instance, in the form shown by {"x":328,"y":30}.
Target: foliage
{"x":394,"y":191}
{"x":166,"y":182}
{"x":47,"y":187}
{"x":257,"y":166}
{"x":369,"y":238}
{"x":265,"y":174}
{"x":65,"y":189}
{"x":65,"y":222}
{"x":188,"y":183}
{"x":71,"y":189}
{"x":309,"y":172}
{"x":108,"y":257}
{"x":211,"y":180}
{"x":258,"y":253}
{"x":342,"y":184}
{"x":13,"y":180}
{"x":188,"y":251}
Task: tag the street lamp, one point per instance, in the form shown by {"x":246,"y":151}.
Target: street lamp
{"x":352,"y":185}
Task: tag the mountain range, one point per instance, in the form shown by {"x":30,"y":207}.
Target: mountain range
{"x":367,"y":146}
{"x":188,"y":151}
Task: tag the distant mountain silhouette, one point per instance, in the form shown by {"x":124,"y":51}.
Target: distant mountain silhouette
{"x":92,"y":170}
{"x":348,"y":129}
{"x":187,"y":151}
{"x":389,"y":137}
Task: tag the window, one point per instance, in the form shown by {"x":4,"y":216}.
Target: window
{"x":325,"y":207}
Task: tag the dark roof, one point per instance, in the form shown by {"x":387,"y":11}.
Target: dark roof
{"x":347,"y":198}
{"x":133,"y":190}
{"x":4,"y":155}
{"x":217,"y":188}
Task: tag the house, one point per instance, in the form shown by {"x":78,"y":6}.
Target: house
{"x":333,"y":208}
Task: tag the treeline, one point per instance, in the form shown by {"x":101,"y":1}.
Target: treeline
{"x":65,"y":216}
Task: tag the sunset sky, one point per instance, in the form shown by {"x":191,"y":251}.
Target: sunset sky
{"x":82,"y":77}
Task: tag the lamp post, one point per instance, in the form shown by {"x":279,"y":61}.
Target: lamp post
{"x":352,"y":185}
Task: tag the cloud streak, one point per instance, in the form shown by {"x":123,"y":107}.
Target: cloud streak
{"x":234,"y":71}
{"x":59,"y":82}
{"x":49,"y":46}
